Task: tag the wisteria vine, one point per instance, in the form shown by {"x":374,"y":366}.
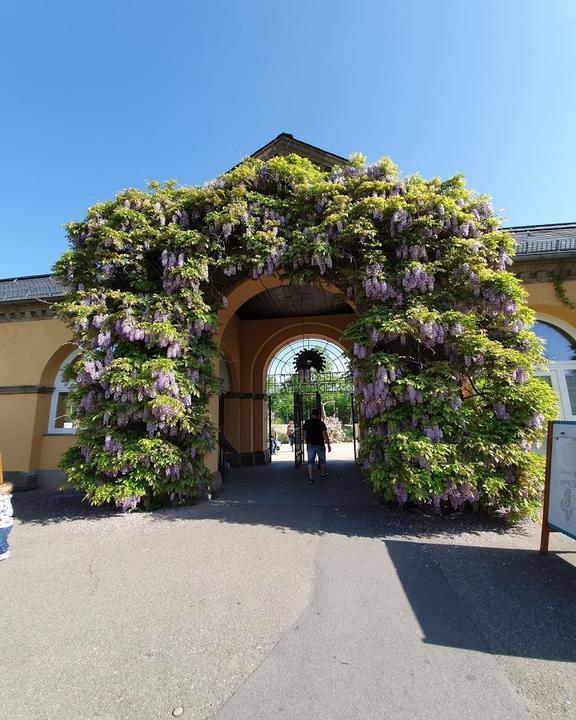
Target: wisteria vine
{"x":443,"y":355}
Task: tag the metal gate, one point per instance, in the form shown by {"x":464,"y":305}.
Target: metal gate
{"x":317,"y":391}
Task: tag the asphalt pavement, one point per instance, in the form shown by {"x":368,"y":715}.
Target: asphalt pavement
{"x":281,"y":599}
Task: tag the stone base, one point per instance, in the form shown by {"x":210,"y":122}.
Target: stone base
{"x":21,"y":480}
{"x":215,"y":481}
{"x":247,"y":459}
{"x":51,"y":479}
{"x":234,"y":460}
{"x":262,"y":457}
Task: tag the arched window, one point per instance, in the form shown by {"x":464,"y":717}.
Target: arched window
{"x":560,"y":351}
{"x":60,"y":421}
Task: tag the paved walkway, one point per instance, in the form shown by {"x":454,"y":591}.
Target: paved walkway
{"x":283,"y":600}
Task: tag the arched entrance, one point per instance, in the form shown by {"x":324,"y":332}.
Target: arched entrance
{"x":304,"y":375}
{"x":261,"y":318}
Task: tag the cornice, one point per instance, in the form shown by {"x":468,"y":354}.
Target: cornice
{"x":22,"y":312}
{"x":538,"y":271}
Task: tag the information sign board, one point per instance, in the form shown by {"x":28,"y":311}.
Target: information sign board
{"x":560,"y":485}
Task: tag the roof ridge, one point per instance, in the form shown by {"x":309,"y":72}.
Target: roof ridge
{"x":542,"y":226}
{"x":28,"y":277}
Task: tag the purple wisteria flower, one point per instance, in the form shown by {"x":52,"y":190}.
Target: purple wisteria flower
{"x":432,"y":333}
{"x":87,"y":402}
{"x":99,"y":320}
{"x":128,"y":503}
{"x":165,"y":381}
{"x":399,"y":222}
{"x":482,"y":210}
{"x":377,"y":396}
{"x":401,"y":495}
{"x":412,"y":252}
{"x":104,"y":339}
{"x":500,"y":411}
{"x":497,"y":303}
{"x":183,"y":217}
{"x":456,"y":403}
{"x":462,"y":494}
{"x":504,"y":260}
{"x":174,"y":350}
{"x":322,"y":262}
{"x":164,"y":411}
{"x":113,"y":446}
{"x":535,"y":421}
{"x":86,"y":453}
{"x":173,"y":471}
{"x":520,"y":375}
{"x":91,"y":372}
{"x":417,"y":278}
{"x":434,"y":433}
{"x":377,"y":288}
{"x":127,"y":329}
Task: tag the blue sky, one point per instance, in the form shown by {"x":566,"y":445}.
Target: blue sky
{"x":99,"y":96}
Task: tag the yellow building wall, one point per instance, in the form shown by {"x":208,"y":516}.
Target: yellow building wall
{"x":31,"y":353}
{"x":542,"y":298}
{"x":17,"y":431}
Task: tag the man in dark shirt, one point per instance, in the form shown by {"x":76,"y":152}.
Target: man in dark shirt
{"x":316,"y":439}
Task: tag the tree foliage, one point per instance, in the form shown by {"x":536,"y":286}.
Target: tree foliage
{"x":443,"y":355}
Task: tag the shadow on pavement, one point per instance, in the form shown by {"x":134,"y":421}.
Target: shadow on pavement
{"x":44,"y":507}
{"x":521,"y":602}
{"x":479,"y":597}
{"x":279,"y":496}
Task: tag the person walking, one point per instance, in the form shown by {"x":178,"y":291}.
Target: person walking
{"x":317,"y":440}
{"x":290,"y":432}
{"x":275,"y":444}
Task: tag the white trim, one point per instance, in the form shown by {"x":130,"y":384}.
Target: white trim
{"x":557,"y":368}
{"x":558,"y":322}
{"x":60,"y":386}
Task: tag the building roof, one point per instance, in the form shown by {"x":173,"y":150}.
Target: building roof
{"x":33,"y":287}
{"x":535,"y":241}
{"x":285,"y":144}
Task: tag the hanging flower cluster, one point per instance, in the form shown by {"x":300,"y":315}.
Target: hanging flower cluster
{"x":442,"y":352}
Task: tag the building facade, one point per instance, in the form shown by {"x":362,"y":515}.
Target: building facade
{"x":262,"y":316}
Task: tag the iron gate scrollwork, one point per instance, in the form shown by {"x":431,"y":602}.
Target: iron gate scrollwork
{"x":301,"y":393}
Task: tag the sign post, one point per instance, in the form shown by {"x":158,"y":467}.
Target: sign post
{"x":559,"y":512}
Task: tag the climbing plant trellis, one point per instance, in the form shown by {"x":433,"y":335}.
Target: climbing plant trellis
{"x":442,"y":355}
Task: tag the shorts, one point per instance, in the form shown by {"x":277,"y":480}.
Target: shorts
{"x":314,"y":450}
